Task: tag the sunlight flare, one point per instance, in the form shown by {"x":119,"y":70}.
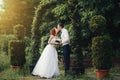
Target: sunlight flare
{"x":1,"y":6}
{"x":1,"y":2}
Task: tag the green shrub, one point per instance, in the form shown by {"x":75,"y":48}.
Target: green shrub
{"x":4,"y":62}
{"x":27,"y":41}
{"x":17,"y":52}
{"x":19,"y":31}
{"x":38,"y":20}
{"x":44,"y":42}
{"x":97,"y":24}
{"x":102,"y":52}
{"x":4,"y":39}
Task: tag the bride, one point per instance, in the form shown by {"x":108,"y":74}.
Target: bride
{"x":47,"y":65}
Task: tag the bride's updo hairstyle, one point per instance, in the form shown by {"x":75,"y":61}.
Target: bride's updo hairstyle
{"x":53,"y":32}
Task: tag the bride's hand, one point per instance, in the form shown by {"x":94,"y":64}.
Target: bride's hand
{"x":56,"y":43}
{"x":51,"y":43}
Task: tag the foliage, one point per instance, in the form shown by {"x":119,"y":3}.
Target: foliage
{"x":4,"y":62}
{"x":36,"y":30}
{"x":19,"y":31}
{"x":21,"y":12}
{"x":102,"y":52}
{"x":27,"y":41}
{"x":44,"y":42}
{"x":17,"y":52}
{"x":4,"y":39}
{"x":100,"y":6}
{"x":110,"y":10}
{"x":48,"y":9}
{"x":75,"y":15}
{"x":60,"y":11}
{"x":116,"y":53}
{"x":97,"y":24}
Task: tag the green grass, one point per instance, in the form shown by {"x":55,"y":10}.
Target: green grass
{"x":115,"y":71}
{"x":7,"y":74}
{"x":4,"y":61}
{"x":91,"y":75}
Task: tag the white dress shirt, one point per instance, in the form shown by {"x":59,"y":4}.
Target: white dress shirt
{"x":65,"y":37}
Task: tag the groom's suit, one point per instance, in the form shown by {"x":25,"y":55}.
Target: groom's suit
{"x":66,"y":48}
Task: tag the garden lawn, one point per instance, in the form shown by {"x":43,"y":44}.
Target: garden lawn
{"x":7,"y":74}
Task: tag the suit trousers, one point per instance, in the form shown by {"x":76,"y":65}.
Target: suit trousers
{"x":66,"y":53}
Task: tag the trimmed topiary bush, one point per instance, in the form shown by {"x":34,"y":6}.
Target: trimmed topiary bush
{"x":102,"y":52}
{"x":97,"y":24}
{"x":19,"y":31}
{"x":17,"y":52}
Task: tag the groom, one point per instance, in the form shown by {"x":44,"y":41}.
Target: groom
{"x":66,"y":46}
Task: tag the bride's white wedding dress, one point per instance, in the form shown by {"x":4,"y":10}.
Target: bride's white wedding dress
{"x":47,"y":65}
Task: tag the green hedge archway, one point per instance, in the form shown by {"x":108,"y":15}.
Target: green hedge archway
{"x":36,"y":30}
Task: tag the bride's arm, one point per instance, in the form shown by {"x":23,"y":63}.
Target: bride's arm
{"x":49,"y":40}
